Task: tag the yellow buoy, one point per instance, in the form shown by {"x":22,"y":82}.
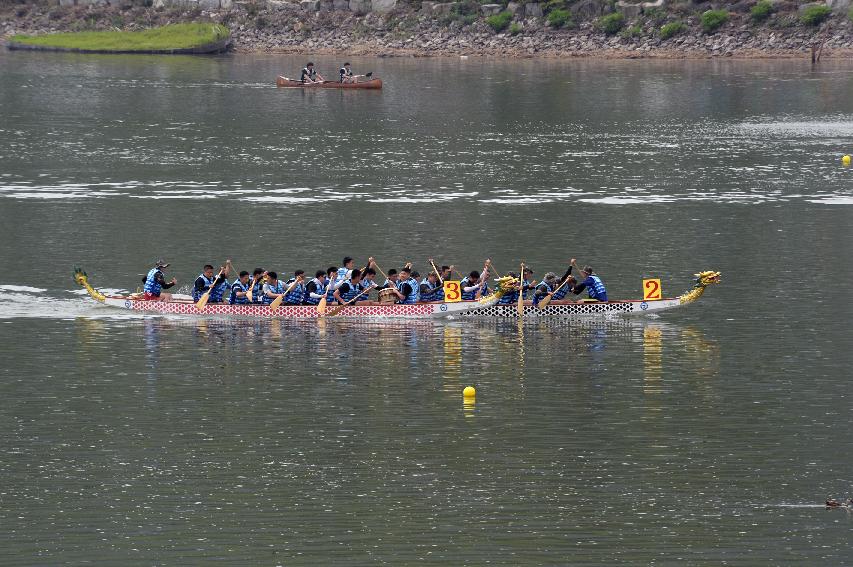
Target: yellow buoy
{"x":845,"y":160}
{"x":469,"y":392}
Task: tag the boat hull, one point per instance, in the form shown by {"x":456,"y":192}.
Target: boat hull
{"x":580,"y":309}
{"x":284,"y":82}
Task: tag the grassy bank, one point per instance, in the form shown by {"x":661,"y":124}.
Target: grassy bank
{"x":173,"y":36}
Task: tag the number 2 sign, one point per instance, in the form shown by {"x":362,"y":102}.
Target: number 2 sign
{"x":452,"y":291}
{"x":651,"y":290}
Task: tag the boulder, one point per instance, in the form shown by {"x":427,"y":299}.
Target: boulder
{"x":491,"y":9}
{"x":655,"y":4}
{"x":589,"y":9}
{"x":65,"y":3}
{"x":383,"y":6}
{"x":839,"y":6}
{"x":443,"y":7}
{"x":340,"y":5}
{"x":209,"y":5}
{"x":226,"y":4}
{"x":804,"y":7}
{"x":360,"y":7}
{"x":426,"y":6}
{"x":533,"y":10}
{"x":514,"y":8}
{"x":630,"y":9}
{"x":310,"y":5}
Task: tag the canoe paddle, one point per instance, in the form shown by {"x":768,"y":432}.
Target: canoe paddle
{"x":202,"y":301}
{"x":251,"y":287}
{"x":547,"y":299}
{"x":440,"y":279}
{"x":337,"y":309}
{"x":483,"y":279}
{"x":277,"y":301}
{"x":521,"y":292}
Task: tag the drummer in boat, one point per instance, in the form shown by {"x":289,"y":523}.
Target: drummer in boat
{"x":155,"y":282}
{"x":217,"y":286}
{"x":310,"y":75}
{"x":407,"y":289}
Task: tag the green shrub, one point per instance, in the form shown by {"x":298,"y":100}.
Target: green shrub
{"x":633,"y":31}
{"x":814,"y":15}
{"x":671,"y":29}
{"x":499,"y":22}
{"x":611,"y":23}
{"x":761,"y":11}
{"x":559,"y":18}
{"x":713,"y":19}
{"x":515,"y":28}
{"x":656,"y":15}
{"x":552,"y":5}
{"x":850,"y":14}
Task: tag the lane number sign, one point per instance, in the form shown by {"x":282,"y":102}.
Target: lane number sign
{"x":651,"y":290}
{"x":452,"y":291}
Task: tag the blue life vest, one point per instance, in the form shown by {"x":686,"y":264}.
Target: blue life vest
{"x":217,"y":293}
{"x":235,"y":288}
{"x":438,"y":292}
{"x":529,"y":285}
{"x":321,"y":289}
{"x":354,"y":290}
{"x":413,"y":295}
{"x":469,"y":295}
{"x":152,"y":286}
{"x":364,"y":285}
{"x":509,"y":298}
{"x":296,"y":295}
{"x":258,"y":291}
{"x":562,"y":292}
{"x":277,"y":288}
{"x":596,"y":288}
{"x":433,"y":291}
{"x":197,"y":293}
{"x":537,"y":298}
{"x":343,"y":275}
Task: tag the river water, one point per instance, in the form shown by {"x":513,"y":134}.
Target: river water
{"x":708,"y":435}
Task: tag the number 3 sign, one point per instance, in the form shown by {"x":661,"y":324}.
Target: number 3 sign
{"x":452,"y":291}
{"x":651,"y":290}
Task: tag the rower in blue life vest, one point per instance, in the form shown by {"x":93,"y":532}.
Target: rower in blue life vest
{"x":155,"y":282}
{"x":591,"y":282}
{"x":544,"y":288}
{"x":446,"y":272}
{"x":239,"y":288}
{"x":349,"y":289}
{"x":391,"y":280}
{"x":430,"y":288}
{"x":527,"y":283}
{"x":310,"y":75}
{"x":217,"y":285}
{"x":316,"y":288}
{"x":407,"y":289}
{"x":296,"y":295}
{"x":344,"y":272}
{"x":272,"y":288}
{"x":475,"y":285}
{"x":259,"y":276}
{"x":367,"y":282}
{"x":331,"y":276}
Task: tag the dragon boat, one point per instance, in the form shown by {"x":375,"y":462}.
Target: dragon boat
{"x":485,"y":307}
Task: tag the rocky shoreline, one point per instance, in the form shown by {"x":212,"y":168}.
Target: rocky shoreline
{"x":314,"y":27}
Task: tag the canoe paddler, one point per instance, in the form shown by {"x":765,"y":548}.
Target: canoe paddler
{"x":272,"y":288}
{"x":344,"y":272}
{"x":391,"y":280}
{"x":216,"y":285}
{"x":430,"y":288}
{"x":239,"y":288}
{"x":316,"y":288}
{"x":472,"y":283}
{"x":155,"y":282}
{"x":347,"y":76}
{"x":349,"y":289}
{"x":544,"y":288}
{"x":527,"y":283}
{"x":407,"y":290}
{"x":367,"y":281}
{"x":310,"y":75}
{"x":259,"y":276}
{"x":591,"y":282}
{"x":297,"y":294}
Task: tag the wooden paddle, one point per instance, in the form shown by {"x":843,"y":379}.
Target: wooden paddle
{"x":202,"y":301}
{"x":483,"y":279}
{"x":321,"y":307}
{"x":440,"y":279}
{"x":337,"y":309}
{"x":251,"y":287}
{"x":277,"y":301}
{"x":521,"y":292}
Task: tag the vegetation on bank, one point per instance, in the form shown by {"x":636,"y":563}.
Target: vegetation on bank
{"x":173,"y":36}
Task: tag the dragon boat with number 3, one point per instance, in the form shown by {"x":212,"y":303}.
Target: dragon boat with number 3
{"x":485,"y":307}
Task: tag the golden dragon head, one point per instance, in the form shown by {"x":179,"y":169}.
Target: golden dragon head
{"x":505,"y":285}
{"x":707,"y":277}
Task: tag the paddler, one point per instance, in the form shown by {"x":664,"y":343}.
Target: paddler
{"x":473,"y":283}
{"x":310,"y":76}
{"x":527,"y":283}
{"x":155,"y":282}
{"x":316,"y":288}
{"x":239,"y":289}
{"x":349,"y":289}
{"x":391,"y":280}
{"x":544,"y":288}
{"x":407,"y":288}
{"x":272,"y":288}
{"x":297,"y":294}
{"x":430,"y":288}
{"x":259,"y":276}
{"x":591,"y":282}
{"x":217,"y":285}
{"x":367,"y":281}
{"x":346,"y":74}
{"x":344,"y":271}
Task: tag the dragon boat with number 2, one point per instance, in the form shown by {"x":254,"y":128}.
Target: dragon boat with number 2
{"x":487,"y":307}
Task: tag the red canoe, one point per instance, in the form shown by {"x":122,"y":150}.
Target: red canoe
{"x":290,"y":83}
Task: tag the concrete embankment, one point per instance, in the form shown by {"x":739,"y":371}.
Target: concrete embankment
{"x":590,"y":28}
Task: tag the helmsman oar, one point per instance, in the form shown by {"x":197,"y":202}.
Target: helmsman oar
{"x":202,"y":301}
{"x":277,"y":301}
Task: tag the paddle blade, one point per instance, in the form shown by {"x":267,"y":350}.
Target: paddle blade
{"x":544,"y":303}
{"x":202,"y":302}
{"x":520,"y":305}
{"x":249,"y":294}
{"x":276,"y":303}
{"x":321,"y":307}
